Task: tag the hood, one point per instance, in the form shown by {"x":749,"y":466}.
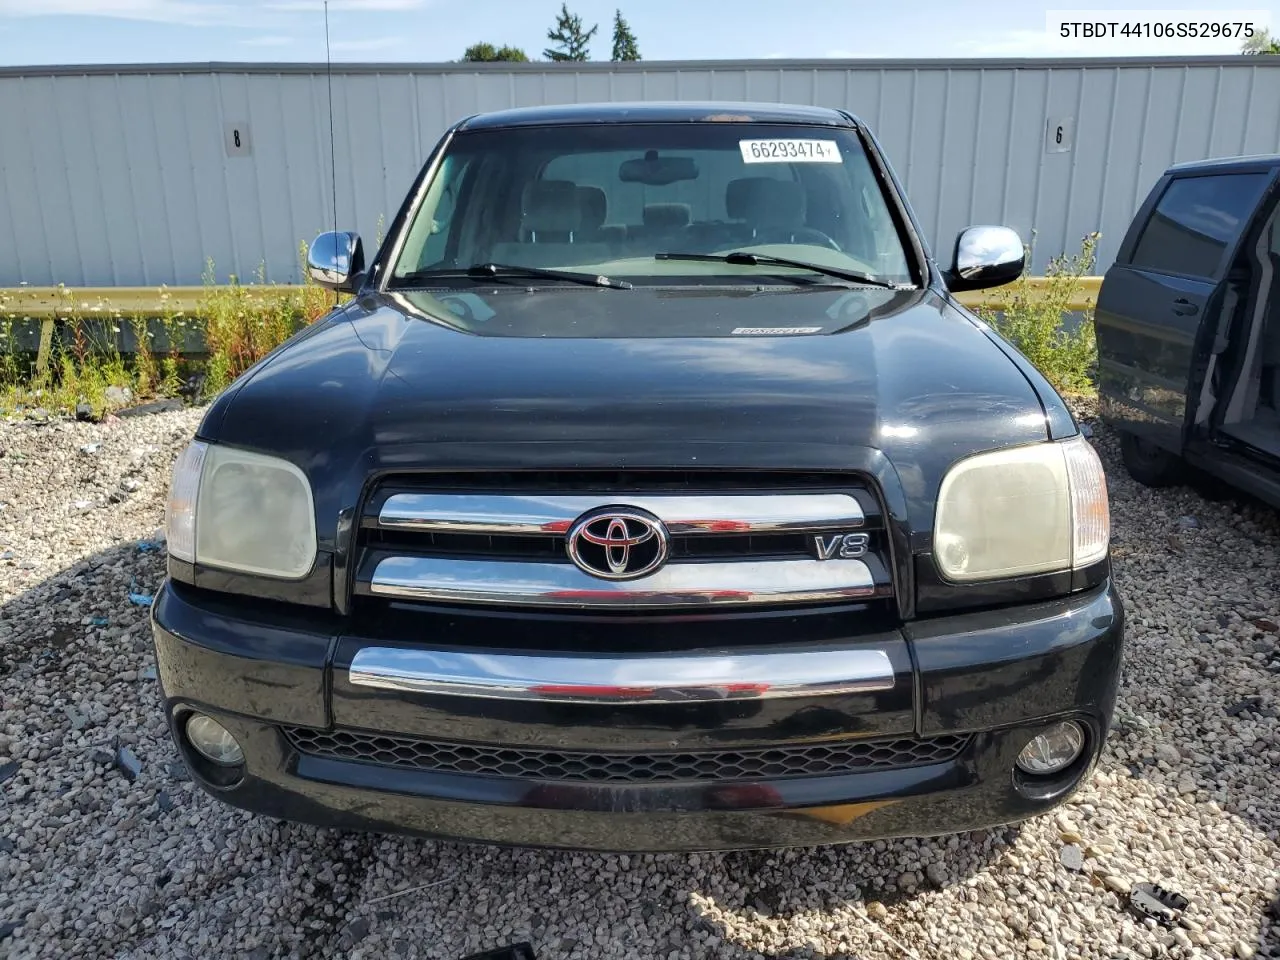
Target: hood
{"x":597,"y":378}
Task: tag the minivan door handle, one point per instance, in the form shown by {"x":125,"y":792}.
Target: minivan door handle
{"x":1185,"y":308}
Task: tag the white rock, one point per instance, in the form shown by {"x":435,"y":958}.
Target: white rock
{"x":1168,"y":752}
{"x":1117,"y":883}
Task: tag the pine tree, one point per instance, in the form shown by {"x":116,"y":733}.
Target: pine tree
{"x":570,"y":37}
{"x":624,"y":41}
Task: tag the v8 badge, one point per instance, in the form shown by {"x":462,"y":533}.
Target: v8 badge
{"x":845,"y":546}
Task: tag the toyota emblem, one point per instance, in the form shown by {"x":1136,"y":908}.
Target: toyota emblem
{"x":618,"y":543}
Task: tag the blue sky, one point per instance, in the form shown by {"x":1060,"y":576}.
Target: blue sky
{"x":123,"y":31}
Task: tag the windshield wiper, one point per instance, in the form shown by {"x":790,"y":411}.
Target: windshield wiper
{"x":763,"y":259}
{"x":481,"y":271}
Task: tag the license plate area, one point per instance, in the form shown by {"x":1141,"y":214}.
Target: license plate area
{"x":666,"y":722}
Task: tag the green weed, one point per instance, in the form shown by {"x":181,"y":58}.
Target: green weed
{"x":174,"y":324}
{"x":242,"y":323}
{"x":1032,"y":315}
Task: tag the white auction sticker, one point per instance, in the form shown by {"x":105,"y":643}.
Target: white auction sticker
{"x":773,"y":331}
{"x":789,"y":151}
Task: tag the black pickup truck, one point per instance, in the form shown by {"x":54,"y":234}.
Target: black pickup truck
{"x":1188,"y":327}
{"x":651,"y":491}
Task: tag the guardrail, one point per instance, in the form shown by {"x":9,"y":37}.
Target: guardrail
{"x":46,"y":306}
{"x":1086,"y":296}
{"x":40,"y":303}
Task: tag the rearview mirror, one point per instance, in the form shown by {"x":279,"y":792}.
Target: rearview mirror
{"x":336,"y":261}
{"x":656,"y":171}
{"x":985,"y":257}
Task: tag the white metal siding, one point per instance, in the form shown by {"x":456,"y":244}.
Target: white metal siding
{"x":118,"y":175}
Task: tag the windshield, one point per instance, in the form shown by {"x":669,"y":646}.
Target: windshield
{"x":610,"y":199}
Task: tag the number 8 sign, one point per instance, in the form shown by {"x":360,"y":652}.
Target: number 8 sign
{"x":236,"y":139}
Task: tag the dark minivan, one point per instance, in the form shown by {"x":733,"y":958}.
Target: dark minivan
{"x":1188,"y":324}
{"x":652,"y":491}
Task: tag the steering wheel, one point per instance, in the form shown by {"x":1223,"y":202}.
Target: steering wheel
{"x":818,"y":237}
{"x":459,"y":308}
{"x":798,"y":235}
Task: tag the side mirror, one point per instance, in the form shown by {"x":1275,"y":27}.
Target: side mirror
{"x":336,"y":261}
{"x":985,"y":257}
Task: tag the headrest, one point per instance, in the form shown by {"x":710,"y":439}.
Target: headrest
{"x":594,"y":207}
{"x":764,"y":201}
{"x":666,"y":215}
{"x":550,"y":205}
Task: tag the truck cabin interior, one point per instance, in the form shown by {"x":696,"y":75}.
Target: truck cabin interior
{"x":1252,"y":411}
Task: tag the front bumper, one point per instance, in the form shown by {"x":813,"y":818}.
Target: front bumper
{"x":996,"y":677}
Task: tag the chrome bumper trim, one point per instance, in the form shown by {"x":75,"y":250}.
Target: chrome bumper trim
{"x":658,"y":679}
{"x":676,"y":584}
{"x":553,"y":515}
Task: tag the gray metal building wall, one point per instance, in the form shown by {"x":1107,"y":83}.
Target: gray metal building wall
{"x":130,"y":175}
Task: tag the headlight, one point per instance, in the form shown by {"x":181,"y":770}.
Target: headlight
{"x":241,"y":511}
{"x":1025,"y":510}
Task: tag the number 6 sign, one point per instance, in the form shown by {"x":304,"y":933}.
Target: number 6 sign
{"x":1059,"y":134}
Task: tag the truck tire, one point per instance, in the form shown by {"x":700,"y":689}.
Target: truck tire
{"x":1150,"y":465}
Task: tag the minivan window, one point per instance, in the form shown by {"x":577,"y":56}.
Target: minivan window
{"x":1195,"y":222}
{"x":608,"y":199}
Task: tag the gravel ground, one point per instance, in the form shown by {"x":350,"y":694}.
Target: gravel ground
{"x":99,"y":861}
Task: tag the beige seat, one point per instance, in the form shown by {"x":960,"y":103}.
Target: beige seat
{"x":665,"y":217}
{"x":552,"y":229}
{"x":550,"y":211}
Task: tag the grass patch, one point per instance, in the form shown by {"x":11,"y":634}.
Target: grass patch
{"x":100,"y":359}
{"x":82,"y":363}
{"x":238,"y":324}
{"x":242,"y":324}
{"x":1031,"y":320}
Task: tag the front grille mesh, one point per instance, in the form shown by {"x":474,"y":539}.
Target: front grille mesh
{"x":552,"y":549}
{"x":769,"y":763}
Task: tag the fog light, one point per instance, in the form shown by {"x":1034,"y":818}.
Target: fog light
{"x":212,"y":741}
{"x":1052,"y":751}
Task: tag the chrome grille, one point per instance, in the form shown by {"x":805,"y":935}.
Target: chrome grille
{"x":503,"y":539}
{"x":684,"y":513}
{"x":767,"y":763}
